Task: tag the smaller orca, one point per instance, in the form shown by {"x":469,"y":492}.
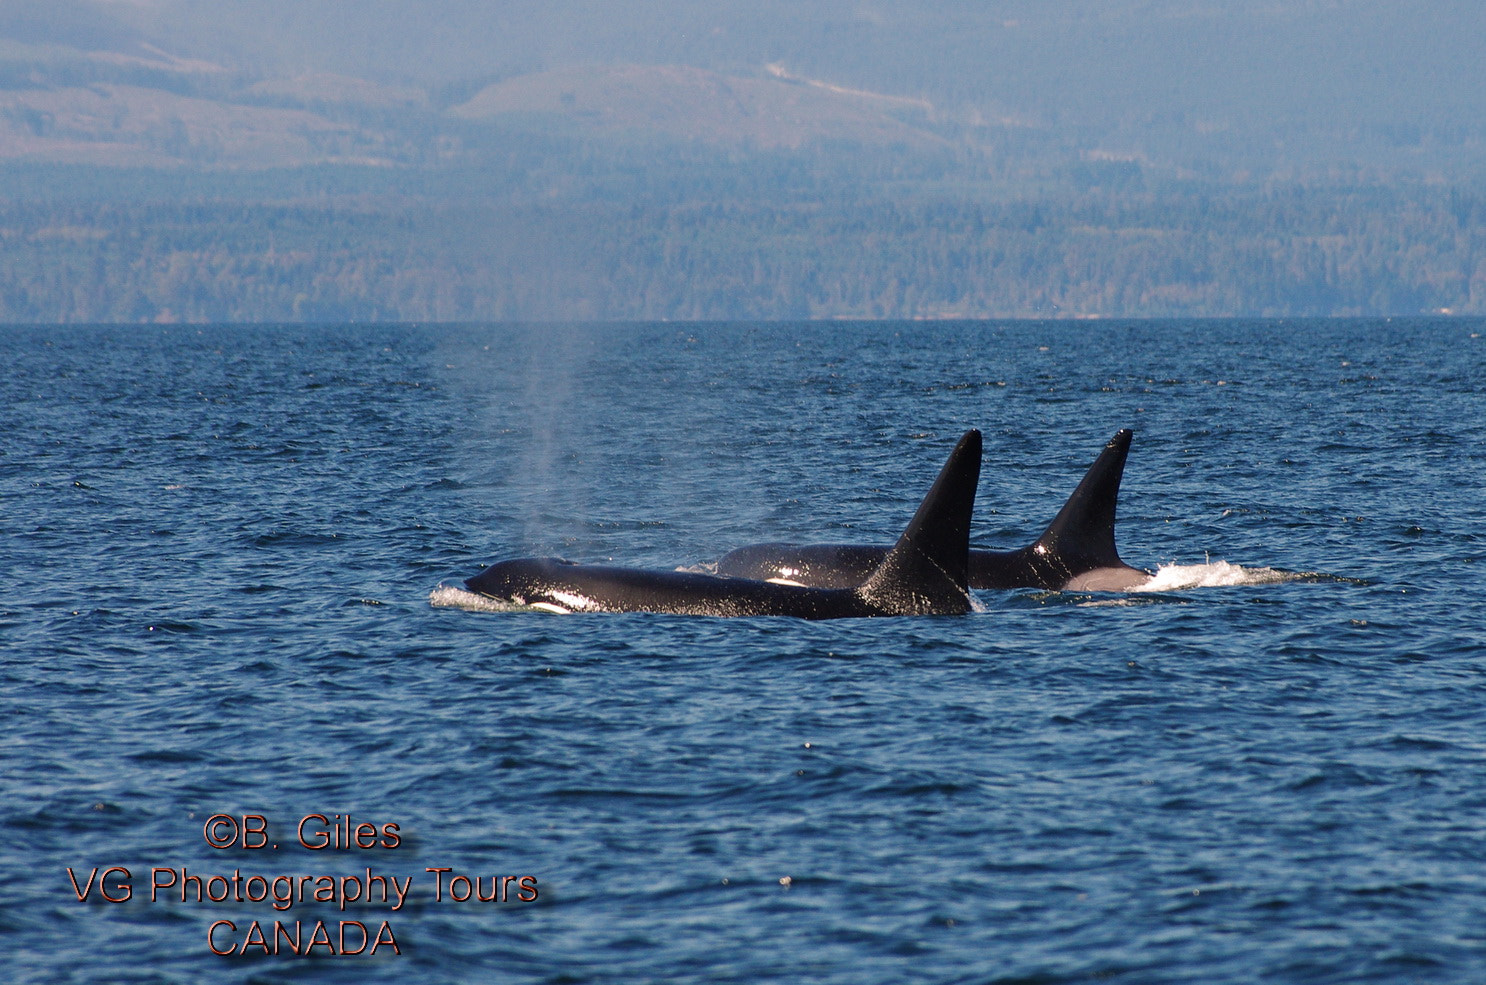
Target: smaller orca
{"x":1075,"y":553}
{"x":925,"y":573}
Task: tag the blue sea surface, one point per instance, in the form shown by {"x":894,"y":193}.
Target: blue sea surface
{"x":232,"y":559}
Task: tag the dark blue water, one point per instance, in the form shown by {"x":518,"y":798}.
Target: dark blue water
{"x":223,"y":548}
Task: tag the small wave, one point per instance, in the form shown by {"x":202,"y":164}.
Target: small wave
{"x":1174,"y":577}
{"x":1117,"y":603}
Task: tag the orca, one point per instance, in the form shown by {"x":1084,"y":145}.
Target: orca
{"x":1075,"y":553}
{"x":925,"y":573}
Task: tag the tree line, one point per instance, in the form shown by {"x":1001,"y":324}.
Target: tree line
{"x":1126,"y":253}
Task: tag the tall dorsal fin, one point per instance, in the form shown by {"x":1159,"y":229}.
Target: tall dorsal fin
{"x":1081,"y":537}
{"x":926,"y":572}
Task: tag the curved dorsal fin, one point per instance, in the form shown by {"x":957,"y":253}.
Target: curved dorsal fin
{"x":927,"y":569}
{"x":1081,"y":537}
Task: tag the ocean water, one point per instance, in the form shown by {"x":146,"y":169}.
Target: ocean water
{"x":231,"y":616}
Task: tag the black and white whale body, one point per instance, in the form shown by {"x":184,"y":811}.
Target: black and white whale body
{"x":1075,"y":553}
{"x":925,"y":573}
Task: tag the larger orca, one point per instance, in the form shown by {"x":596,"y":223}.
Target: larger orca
{"x":1075,"y":553}
{"x":925,"y":573}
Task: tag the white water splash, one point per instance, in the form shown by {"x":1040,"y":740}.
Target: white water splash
{"x":1213,"y":574}
{"x":452,"y":597}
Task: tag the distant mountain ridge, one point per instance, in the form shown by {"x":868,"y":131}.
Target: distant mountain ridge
{"x":1255,"y":87}
{"x":97,"y":110}
{"x":682,"y":101}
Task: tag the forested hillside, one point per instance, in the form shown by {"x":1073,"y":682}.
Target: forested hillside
{"x":1295,"y":252}
{"x":217,"y":160}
